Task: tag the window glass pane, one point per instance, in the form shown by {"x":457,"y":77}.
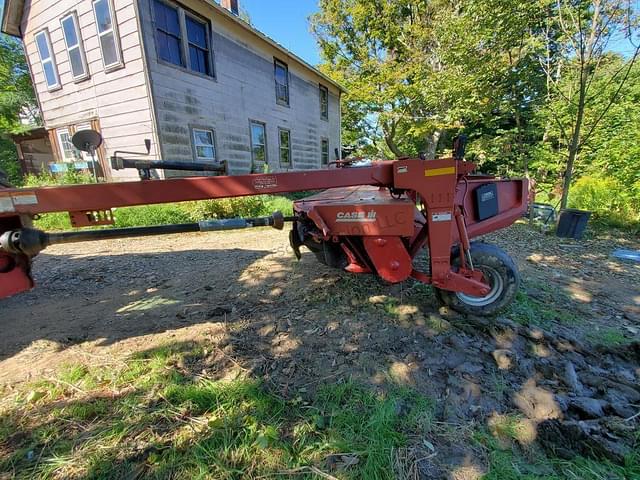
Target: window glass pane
{"x":205,"y":152}
{"x":49,"y":73}
{"x":281,"y":74}
{"x":109,"y":51}
{"x":257,"y":134}
{"x":77,"y":65}
{"x":324,"y":102}
{"x":43,"y":48}
{"x":324,"y":147}
{"x":196,"y":33}
{"x":167,"y":18}
{"x":258,"y":154}
{"x":103,"y":15}
{"x":198,"y":60}
{"x":203,"y":137}
{"x":284,"y":139}
{"x":69,"y":28}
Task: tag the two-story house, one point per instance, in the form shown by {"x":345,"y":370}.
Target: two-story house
{"x":190,"y":75}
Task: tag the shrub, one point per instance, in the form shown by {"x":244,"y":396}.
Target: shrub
{"x":612,"y":204}
{"x":70,"y":177}
{"x":226,"y":208}
{"x":148,"y":215}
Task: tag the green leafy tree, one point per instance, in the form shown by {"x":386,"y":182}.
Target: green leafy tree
{"x":585,"y":30}
{"x":18,"y":107}
{"x":417,"y":72}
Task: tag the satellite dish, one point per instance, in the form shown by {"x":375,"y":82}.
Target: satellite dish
{"x":87,"y":140}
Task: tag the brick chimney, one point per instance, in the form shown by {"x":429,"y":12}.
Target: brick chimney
{"x":231,"y":5}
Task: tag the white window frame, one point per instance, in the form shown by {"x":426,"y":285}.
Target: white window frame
{"x":50,"y":59}
{"x":207,"y":34}
{"x":323,"y":89}
{"x":280,"y":147}
{"x":80,"y":46}
{"x":116,"y":36}
{"x":322,"y":140}
{"x":185,"y":65}
{"x":264,"y":145}
{"x":59,"y":133}
{"x":196,"y":144}
{"x":279,"y":63}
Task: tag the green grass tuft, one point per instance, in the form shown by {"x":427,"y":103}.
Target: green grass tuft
{"x":161,"y":421}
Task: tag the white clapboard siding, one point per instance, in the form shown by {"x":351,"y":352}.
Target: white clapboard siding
{"x":119,"y":99}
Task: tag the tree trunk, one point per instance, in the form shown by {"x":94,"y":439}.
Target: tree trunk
{"x":389,"y":138}
{"x":432,"y":144}
{"x":574,"y":145}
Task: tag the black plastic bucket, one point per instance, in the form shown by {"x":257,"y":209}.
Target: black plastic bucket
{"x":572,"y":222}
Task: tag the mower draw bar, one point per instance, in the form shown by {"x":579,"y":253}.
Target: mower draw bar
{"x":373,"y":219}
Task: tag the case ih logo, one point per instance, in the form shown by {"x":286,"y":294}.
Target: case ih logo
{"x":369,"y":216}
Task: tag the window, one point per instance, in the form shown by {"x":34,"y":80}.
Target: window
{"x":324,"y":151}
{"x":198,"y":46}
{"x":281,"y":73}
{"x":68,"y":152}
{"x":73,"y":41}
{"x":258,"y":144}
{"x":204,"y":144}
{"x":182,"y":39}
{"x":284,"y":137}
{"x":324,"y":102}
{"x":107,"y":33}
{"x":47,"y":59}
{"x":168,"y":35}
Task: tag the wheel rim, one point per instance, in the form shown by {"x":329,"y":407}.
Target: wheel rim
{"x":497,"y":286}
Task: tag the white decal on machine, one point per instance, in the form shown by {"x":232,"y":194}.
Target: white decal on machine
{"x":361,"y":217}
{"x":265,"y":182}
{"x":441,"y":217}
{"x":6,"y":205}
{"x":25,"y":199}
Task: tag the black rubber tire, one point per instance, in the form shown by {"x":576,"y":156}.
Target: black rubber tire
{"x":503,"y":275}
{"x":331,"y":255}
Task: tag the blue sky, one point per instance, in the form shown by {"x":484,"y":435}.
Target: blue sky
{"x":286,"y":22}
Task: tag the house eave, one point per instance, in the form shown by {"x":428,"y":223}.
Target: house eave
{"x":12,"y":17}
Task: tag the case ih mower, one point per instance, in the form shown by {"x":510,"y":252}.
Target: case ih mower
{"x":374,"y":219}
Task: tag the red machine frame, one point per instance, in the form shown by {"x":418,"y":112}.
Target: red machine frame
{"x":437,"y":194}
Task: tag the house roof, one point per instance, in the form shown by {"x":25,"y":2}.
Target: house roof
{"x":12,"y":18}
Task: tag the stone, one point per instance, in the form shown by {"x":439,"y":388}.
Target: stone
{"x":503,"y":358}
{"x":570,"y":377}
{"x":219,"y":311}
{"x":570,"y":439}
{"x":588,"y":407}
{"x":622,"y":409}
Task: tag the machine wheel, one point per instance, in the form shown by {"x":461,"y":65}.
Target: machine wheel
{"x":501,"y":273}
{"x":331,"y":255}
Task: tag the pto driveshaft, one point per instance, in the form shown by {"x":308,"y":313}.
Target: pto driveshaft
{"x":30,"y":242}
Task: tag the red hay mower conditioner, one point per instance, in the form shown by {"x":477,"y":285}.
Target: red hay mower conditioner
{"x":370,"y":219}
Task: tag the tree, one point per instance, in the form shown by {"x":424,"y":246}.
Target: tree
{"x":584,"y":31}
{"x":17,"y":99}
{"x":417,"y":71}
{"x":17,"y":103}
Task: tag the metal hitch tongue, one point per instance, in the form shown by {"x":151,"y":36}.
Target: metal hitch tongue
{"x":30,"y":242}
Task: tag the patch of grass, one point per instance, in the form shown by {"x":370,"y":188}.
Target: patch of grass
{"x":527,"y":310}
{"x":608,"y":337}
{"x":147,"y":215}
{"x":156,"y":417}
{"x":515,"y":460}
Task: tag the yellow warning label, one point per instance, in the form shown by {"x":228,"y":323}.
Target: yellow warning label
{"x":434,"y":172}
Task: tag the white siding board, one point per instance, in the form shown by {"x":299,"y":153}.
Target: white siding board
{"x":119,"y":99}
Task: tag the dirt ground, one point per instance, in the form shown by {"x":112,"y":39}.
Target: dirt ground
{"x":565,"y":357}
